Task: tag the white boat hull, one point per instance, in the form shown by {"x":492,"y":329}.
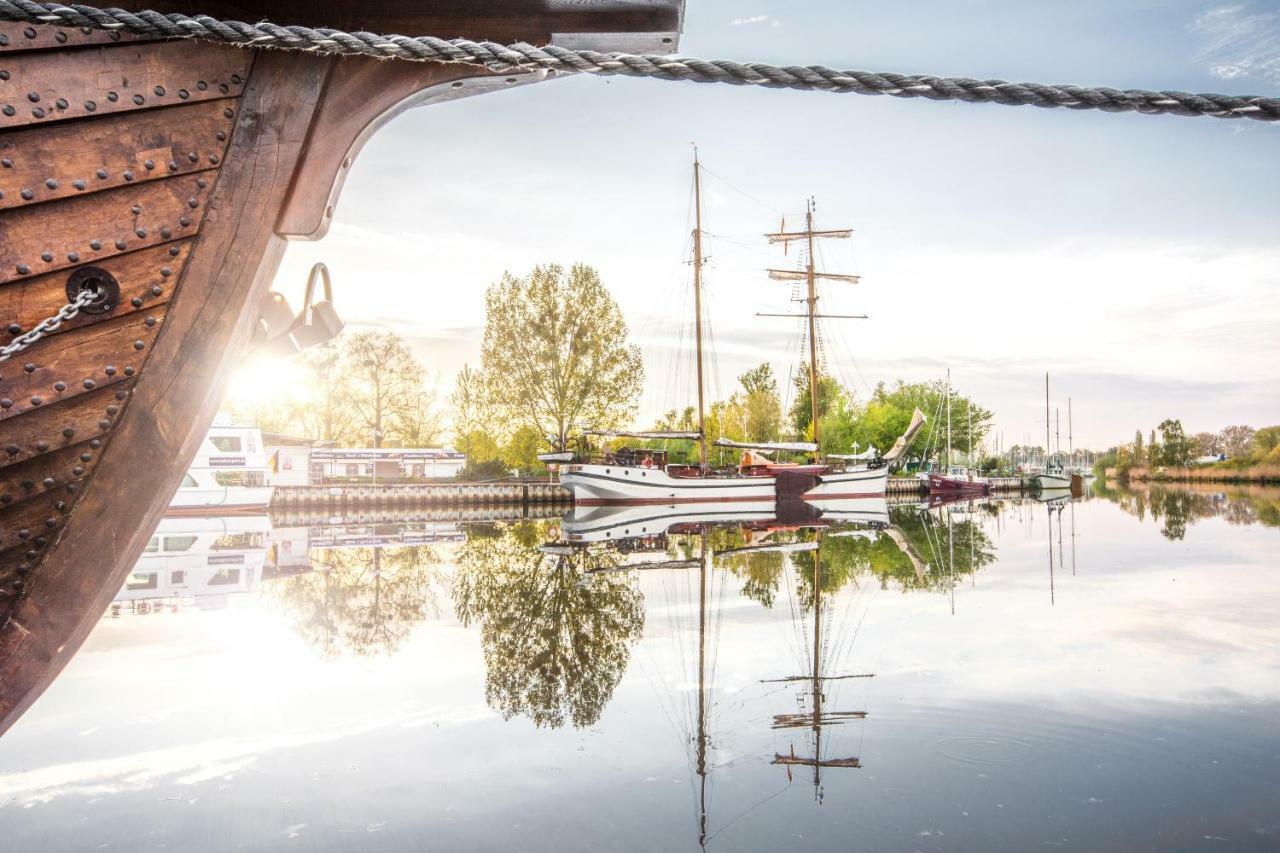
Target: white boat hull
{"x":1053,"y":481}
{"x":612,"y":485}
{"x":211,"y":501}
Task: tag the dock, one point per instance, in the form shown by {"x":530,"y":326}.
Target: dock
{"x":340,"y":499}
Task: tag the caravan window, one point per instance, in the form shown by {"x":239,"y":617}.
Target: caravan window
{"x":223,"y":577}
{"x":153,"y":545}
{"x":188,"y":481}
{"x":226,"y":443}
{"x":138,"y":580}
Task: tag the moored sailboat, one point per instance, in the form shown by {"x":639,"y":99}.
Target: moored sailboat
{"x":644,"y":476}
{"x":955,"y":480}
{"x":1053,"y":476}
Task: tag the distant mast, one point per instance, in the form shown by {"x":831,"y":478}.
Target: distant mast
{"x":1046,"y":422}
{"x":697,"y":304}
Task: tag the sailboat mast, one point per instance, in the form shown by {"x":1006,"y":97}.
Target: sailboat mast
{"x":702,"y":691}
{"x":946,"y":469}
{"x":1071,"y":446}
{"x":812,"y":302}
{"x":697,"y":304}
{"x":1046,"y":422}
{"x":817,"y":656}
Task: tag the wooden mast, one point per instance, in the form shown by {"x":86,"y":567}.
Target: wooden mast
{"x":811,"y":275}
{"x":810,"y":302}
{"x":702,"y":692}
{"x":697,"y":304}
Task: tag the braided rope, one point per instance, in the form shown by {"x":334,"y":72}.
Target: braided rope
{"x":507,"y":58}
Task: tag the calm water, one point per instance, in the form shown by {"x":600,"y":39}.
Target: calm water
{"x":1014,"y":675}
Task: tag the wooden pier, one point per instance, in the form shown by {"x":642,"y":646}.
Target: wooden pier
{"x":338,"y":499}
{"x":1000,"y":485}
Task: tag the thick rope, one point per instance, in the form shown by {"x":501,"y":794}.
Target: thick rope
{"x":524,"y":57}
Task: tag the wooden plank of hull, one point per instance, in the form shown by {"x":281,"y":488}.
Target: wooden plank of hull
{"x":28,"y":529}
{"x":41,"y":163}
{"x":70,"y":365}
{"x":49,"y":472}
{"x":61,"y":423}
{"x":43,"y":86}
{"x":37,"y":240}
{"x":15,"y":37}
{"x":144,"y":278}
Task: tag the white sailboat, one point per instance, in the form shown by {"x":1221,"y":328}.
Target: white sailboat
{"x":639,"y":476}
{"x":1054,"y":477}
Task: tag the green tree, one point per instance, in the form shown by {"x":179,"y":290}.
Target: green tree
{"x":386,"y":380}
{"x":555,"y":352}
{"x":1205,"y":443}
{"x":801,"y":414}
{"x":762,"y":407}
{"x":1266,"y":440}
{"x":418,"y":421}
{"x":1237,"y":441}
{"x":522,"y":449}
{"x":556,"y":641}
{"x":1175,"y":447}
{"x":469,"y":406}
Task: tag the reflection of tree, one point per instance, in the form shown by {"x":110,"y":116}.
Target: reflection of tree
{"x":1176,"y":507}
{"x":362,"y":600}
{"x":927,"y":535}
{"x":556,"y":642}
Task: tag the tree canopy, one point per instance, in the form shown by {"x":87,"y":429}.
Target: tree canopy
{"x":555,"y":354}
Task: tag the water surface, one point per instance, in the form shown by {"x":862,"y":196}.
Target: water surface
{"x":1101,"y":674}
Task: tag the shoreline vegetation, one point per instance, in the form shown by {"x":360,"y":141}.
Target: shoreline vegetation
{"x":1217,"y":473}
{"x":1237,"y":454}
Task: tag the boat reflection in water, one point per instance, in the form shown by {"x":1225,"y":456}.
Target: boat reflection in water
{"x":691,"y":554}
{"x":716,"y":678}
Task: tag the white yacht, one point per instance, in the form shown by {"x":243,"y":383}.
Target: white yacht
{"x":229,"y":475}
{"x":199,"y":560}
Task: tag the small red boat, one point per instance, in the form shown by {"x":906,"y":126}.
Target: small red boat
{"x":958,"y":482}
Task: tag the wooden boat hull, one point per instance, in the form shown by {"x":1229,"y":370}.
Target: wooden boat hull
{"x":175,"y":171}
{"x":942,"y":485}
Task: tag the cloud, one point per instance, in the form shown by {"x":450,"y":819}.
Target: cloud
{"x":1235,"y":42}
{"x":756,"y":19}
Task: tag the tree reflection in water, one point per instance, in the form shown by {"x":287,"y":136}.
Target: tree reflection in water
{"x":363,"y":601}
{"x":1176,"y":507}
{"x":878,"y":553}
{"x":556,"y":641}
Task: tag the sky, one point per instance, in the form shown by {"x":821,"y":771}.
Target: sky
{"x":1133,"y":258}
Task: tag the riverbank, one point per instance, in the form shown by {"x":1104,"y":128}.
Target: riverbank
{"x":1203,"y":474}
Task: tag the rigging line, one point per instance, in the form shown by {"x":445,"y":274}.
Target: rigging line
{"x":741,"y":191}
{"x":557,"y":59}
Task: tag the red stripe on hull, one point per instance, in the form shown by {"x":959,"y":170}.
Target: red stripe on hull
{"x":672,"y":501}
{"x":841,"y":496}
